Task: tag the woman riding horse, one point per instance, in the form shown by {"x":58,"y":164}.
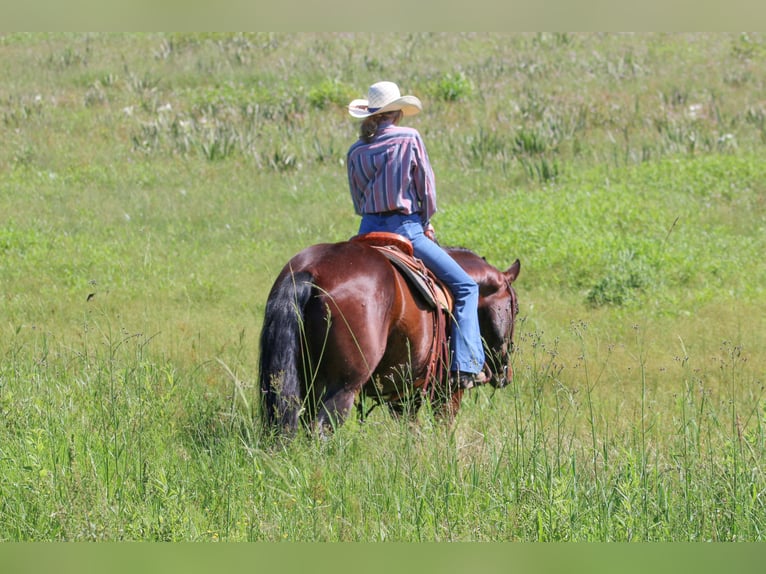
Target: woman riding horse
{"x":392,"y":188}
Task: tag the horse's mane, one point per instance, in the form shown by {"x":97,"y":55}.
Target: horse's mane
{"x":460,"y":249}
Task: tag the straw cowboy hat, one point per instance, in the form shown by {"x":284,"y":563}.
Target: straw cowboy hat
{"x":384,"y":97}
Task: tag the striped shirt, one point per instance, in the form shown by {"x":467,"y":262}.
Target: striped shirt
{"x":392,"y":173}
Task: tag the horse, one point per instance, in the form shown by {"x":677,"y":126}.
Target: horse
{"x":341,"y":323}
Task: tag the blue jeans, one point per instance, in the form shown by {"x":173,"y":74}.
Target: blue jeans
{"x":467,"y":348}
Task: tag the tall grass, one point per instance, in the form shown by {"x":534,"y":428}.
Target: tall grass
{"x":106,"y":441}
{"x":152,"y":186}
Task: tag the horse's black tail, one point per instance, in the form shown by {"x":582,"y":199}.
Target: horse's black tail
{"x":280,"y":352}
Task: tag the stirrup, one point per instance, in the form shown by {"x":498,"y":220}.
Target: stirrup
{"x":467,"y":381}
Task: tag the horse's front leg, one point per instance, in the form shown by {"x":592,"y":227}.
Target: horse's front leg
{"x":406,"y":407}
{"x":447,"y":403}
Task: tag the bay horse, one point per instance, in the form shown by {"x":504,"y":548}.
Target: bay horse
{"x":341,"y":321}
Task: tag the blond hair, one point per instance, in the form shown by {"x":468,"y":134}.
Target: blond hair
{"x":369,"y":128}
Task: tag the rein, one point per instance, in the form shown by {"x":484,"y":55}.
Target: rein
{"x":514,"y":311}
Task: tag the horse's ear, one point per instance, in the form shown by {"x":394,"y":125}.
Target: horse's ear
{"x":513,"y":271}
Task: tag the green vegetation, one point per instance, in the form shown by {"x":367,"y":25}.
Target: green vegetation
{"x":152,"y":186}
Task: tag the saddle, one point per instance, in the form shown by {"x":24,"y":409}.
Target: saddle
{"x":398,"y":250}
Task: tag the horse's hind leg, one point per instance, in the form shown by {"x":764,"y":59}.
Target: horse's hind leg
{"x":334,"y":408}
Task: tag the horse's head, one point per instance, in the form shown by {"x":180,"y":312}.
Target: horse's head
{"x":498,"y":307}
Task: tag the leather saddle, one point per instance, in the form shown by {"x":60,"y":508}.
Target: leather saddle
{"x":398,"y":250}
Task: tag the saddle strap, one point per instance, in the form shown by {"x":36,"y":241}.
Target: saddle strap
{"x":437,"y":371}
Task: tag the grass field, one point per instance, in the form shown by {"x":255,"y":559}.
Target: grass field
{"x":152,"y":186}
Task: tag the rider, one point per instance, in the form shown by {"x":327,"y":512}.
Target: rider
{"x":392,"y":188}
